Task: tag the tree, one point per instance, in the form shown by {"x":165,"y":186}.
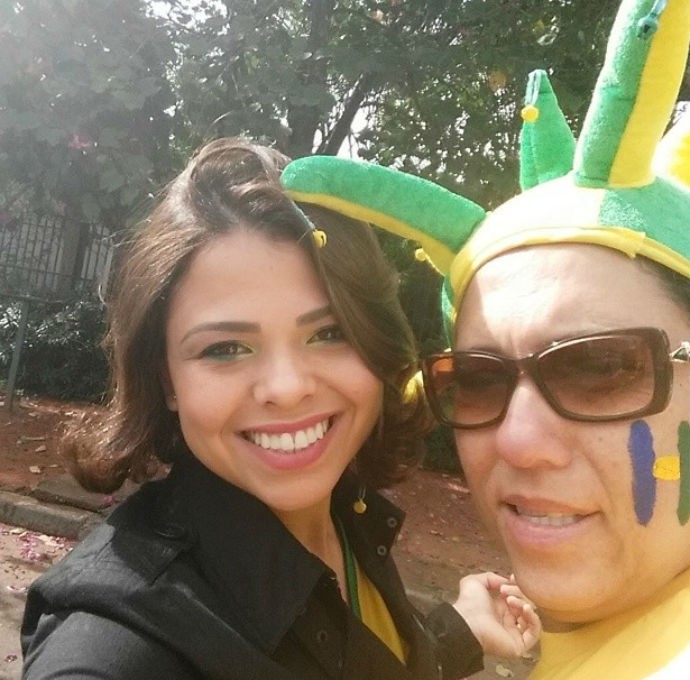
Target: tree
{"x":453,"y":115}
{"x":262,"y":68}
{"x":83,"y":89}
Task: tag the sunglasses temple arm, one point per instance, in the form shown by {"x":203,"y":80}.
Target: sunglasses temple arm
{"x":682,"y":353}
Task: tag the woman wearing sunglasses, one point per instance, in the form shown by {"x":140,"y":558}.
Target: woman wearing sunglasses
{"x":568,"y":383}
{"x":270,"y":363}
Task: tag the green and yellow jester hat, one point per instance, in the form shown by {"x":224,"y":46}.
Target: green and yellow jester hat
{"x":604,"y":189}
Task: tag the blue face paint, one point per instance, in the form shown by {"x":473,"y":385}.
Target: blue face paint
{"x":640,"y":447}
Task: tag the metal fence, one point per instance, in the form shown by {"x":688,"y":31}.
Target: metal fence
{"x":48,"y":257}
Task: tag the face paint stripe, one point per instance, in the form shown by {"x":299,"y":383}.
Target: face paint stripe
{"x":684,"y":450}
{"x":642,"y":458}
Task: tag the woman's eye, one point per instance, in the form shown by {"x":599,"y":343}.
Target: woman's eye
{"x":225,"y":350}
{"x":328,"y":334}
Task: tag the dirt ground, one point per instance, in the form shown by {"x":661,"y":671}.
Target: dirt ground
{"x":440,"y":541}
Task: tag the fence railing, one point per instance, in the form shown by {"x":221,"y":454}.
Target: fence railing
{"x":49,"y":257}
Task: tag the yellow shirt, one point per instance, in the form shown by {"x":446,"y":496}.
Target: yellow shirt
{"x":376,"y":617}
{"x":651,"y":641}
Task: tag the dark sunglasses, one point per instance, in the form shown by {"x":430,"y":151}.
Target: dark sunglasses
{"x":604,"y":376}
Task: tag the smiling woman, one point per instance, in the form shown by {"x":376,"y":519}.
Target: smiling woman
{"x":260,"y":349}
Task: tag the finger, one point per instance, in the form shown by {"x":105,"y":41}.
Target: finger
{"x":494,"y":581}
{"x":487,"y":579}
{"x":510,"y":591}
{"x":529,"y":625}
{"x":530,"y":617}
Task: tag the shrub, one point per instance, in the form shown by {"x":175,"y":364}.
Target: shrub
{"x":60,"y":356}
{"x":440,"y":451}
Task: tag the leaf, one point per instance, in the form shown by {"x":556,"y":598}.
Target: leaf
{"x":110,"y":137}
{"x":90,"y":207}
{"x":112,"y":179}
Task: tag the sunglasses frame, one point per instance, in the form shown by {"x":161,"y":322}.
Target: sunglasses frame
{"x":655,"y":339}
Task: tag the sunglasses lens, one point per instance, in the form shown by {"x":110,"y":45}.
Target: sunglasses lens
{"x":467,"y":389}
{"x":601,"y":377}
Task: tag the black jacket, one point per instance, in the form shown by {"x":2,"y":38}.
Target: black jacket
{"x":192,"y":578}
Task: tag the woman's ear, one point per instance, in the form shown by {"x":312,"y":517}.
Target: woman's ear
{"x":168,"y":390}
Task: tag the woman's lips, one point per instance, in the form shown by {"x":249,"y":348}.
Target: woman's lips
{"x":291,"y":446}
{"x":541,"y":523}
{"x":556,"y":519}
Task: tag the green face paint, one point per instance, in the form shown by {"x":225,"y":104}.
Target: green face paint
{"x":684,"y":450}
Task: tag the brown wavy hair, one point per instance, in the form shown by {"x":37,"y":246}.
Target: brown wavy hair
{"x":227,"y":184}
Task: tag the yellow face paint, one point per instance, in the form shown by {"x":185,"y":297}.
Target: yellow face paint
{"x":667,"y":468}
{"x":648,"y":468}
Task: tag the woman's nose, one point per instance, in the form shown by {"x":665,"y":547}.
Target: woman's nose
{"x":285,"y":379}
{"x":531,"y":433}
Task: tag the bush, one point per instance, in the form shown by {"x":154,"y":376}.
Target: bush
{"x":60,"y":356}
{"x":440,"y":451}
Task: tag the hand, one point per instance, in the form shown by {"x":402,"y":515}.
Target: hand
{"x":500,"y":616}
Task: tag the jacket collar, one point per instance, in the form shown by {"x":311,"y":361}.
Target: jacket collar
{"x":235,"y":536}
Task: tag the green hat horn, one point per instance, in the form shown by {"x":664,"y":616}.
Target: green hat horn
{"x":634,"y":95}
{"x":547,"y":145}
{"x":408,"y":206}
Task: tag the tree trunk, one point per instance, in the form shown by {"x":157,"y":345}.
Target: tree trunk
{"x":304,"y":120}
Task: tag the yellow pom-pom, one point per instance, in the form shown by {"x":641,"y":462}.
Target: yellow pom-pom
{"x":413,"y":387}
{"x":319,"y":237}
{"x":420,"y":255}
{"x":359,"y":506}
{"x":529,"y":113}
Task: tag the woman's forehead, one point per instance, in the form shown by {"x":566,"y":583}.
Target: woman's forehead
{"x":556,"y":291}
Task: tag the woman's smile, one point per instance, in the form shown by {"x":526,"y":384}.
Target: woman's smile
{"x":289,"y":440}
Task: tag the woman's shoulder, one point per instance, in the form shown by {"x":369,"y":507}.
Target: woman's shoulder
{"x":117,"y":561}
{"x":88,"y":645}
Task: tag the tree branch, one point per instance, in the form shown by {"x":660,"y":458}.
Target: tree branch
{"x":331,"y":144}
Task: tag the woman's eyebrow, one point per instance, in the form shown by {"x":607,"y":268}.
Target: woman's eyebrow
{"x":229,"y":326}
{"x":314,"y":315}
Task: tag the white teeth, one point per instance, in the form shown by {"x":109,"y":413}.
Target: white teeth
{"x":287,"y":441}
{"x":553,"y":519}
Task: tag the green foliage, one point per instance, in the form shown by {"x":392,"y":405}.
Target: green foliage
{"x":252,"y":67}
{"x":453,"y":114}
{"x":440,"y":451}
{"x":83,"y":90}
{"x":61,"y":356}
{"x":419,"y":292}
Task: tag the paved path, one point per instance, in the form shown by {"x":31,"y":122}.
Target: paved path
{"x":24,"y":555}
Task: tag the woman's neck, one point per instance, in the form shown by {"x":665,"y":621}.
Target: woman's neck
{"x":315,"y":529}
